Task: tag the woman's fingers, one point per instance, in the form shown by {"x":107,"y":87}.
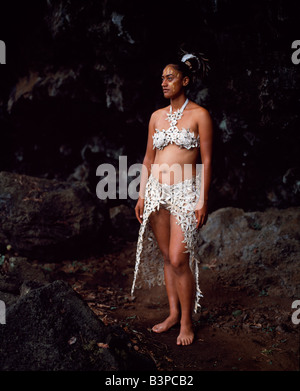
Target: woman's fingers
{"x":200,"y":217}
{"x":197,"y":218}
{"x":139,"y":210}
{"x":139,"y":214}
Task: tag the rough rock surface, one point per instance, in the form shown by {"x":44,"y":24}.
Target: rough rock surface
{"x":255,"y":249}
{"x":51,"y":328}
{"x":18,"y":277}
{"x":48,"y":218}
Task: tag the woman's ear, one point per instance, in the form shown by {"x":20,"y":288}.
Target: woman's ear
{"x":186,"y":81}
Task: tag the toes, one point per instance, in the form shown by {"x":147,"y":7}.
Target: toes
{"x":155,"y":329}
{"x":181,"y":341}
{"x":158,"y":328}
{"x":184,"y":341}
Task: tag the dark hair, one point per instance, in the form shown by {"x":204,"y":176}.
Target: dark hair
{"x":192,"y":65}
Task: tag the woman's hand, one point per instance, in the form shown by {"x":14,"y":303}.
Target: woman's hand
{"x":139,"y":209}
{"x":201,"y":216}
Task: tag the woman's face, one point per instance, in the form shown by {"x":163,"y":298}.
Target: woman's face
{"x":172,"y":82}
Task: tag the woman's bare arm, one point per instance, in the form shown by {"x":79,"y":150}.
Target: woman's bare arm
{"x":206,"y":142}
{"x":146,"y":168}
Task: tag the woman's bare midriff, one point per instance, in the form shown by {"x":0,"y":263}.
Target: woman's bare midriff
{"x":174,"y":164}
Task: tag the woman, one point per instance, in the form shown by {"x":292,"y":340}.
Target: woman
{"x":173,"y":197}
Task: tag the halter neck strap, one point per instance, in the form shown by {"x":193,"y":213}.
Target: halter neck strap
{"x":182,"y":107}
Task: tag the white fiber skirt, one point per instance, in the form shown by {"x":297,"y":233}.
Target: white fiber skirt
{"x":180,"y":199}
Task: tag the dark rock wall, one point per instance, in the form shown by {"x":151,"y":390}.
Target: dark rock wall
{"x":49,"y":219}
{"x":82,"y":78}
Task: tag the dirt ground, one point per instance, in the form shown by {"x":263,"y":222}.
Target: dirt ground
{"x":236,"y":330}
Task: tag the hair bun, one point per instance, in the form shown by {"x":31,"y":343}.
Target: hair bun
{"x":197,"y":63}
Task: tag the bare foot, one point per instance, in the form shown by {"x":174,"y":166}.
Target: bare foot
{"x":186,"y":335}
{"x":166,"y":324}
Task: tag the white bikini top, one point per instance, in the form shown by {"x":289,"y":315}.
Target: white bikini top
{"x":183,"y":138}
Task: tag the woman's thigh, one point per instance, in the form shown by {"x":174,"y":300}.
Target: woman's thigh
{"x":160,"y":224}
{"x":177,"y":248}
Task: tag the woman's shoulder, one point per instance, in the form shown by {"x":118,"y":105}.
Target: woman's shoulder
{"x":198,"y":109}
{"x":159,"y":113}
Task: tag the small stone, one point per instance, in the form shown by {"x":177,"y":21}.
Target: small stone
{"x":72,"y":340}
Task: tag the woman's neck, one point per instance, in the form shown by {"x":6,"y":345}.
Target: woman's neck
{"x":177,"y":102}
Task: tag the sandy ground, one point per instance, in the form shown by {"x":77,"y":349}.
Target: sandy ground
{"x":236,"y":330}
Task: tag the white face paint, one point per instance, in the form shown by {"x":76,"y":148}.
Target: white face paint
{"x":172,"y":82}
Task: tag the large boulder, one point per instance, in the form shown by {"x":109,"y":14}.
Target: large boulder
{"x":51,"y":328}
{"x":17,"y":277}
{"x":260,"y":250}
{"x":49,"y":219}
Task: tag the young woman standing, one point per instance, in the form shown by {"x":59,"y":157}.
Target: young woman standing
{"x":173,"y":197}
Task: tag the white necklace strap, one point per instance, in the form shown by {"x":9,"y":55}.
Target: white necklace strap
{"x":184,"y":105}
{"x":182,"y":108}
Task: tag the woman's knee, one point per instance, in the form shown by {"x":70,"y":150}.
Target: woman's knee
{"x":179,"y":263}
{"x":166,"y":257}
